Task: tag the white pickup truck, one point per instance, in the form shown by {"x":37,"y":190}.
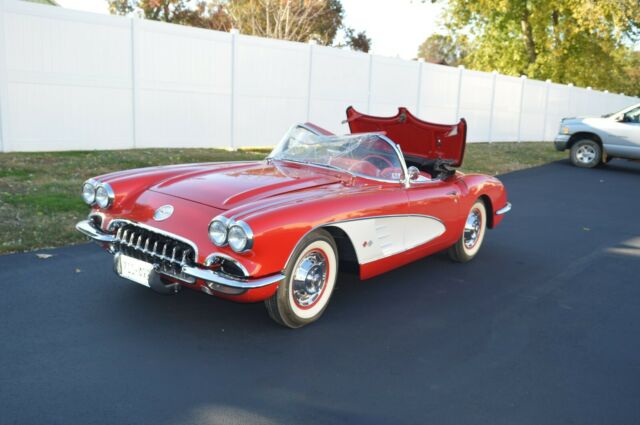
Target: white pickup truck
{"x":597,"y":140}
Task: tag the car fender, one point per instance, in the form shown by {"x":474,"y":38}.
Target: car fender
{"x":491,"y":190}
{"x":279,"y":229}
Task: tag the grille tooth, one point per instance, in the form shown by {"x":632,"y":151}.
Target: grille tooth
{"x":167,"y":253}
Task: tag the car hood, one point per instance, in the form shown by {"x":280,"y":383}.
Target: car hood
{"x":572,"y":120}
{"x":227,"y":187}
{"x":584,"y":120}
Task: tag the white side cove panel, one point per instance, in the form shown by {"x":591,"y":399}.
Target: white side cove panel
{"x":379,"y":237}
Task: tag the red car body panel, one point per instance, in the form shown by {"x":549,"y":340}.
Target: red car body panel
{"x":284,"y":201}
{"x":416,"y":137}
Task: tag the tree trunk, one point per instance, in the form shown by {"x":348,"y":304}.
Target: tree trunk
{"x":528,"y":35}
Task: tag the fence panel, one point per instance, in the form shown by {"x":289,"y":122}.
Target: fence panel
{"x":438,"y":93}
{"x":339,"y":78}
{"x":68,"y":79}
{"x":506,"y":108}
{"x":183,"y":86}
{"x":394,"y":83}
{"x":475,"y":103}
{"x":532,"y":121}
{"x":74,"y":80}
{"x":271,"y":89}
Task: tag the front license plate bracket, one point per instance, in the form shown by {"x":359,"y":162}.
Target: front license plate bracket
{"x":143,"y":273}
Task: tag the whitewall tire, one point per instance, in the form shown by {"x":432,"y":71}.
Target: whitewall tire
{"x":472,"y":237}
{"x":310,"y":278}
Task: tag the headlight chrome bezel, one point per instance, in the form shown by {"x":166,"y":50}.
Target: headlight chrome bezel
{"x":246,"y":231}
{"x":92,"y":185}
{"x":224,"y":221}
{"x":110,"y":195}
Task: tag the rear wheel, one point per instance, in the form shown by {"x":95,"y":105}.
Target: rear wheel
{"x":586,"y":153}
{"x":309,"y":280}
{"x":471,"y":240}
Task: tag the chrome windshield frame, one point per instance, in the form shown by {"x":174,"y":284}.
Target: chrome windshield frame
{"x":404,"y":180}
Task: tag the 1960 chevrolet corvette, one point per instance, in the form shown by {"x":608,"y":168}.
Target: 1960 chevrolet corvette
{"x":277,"y":230}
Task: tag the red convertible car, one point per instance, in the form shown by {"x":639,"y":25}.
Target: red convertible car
{"x":278,"y":230}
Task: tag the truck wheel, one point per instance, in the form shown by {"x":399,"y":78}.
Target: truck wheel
{"x":586,"y":153}
{"x":471,"y":240}
{"x":309,"y":280}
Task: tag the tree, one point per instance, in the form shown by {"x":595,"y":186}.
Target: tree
{"x":295,"y":20}
{"x":211,"y":15}
{"x":357,"y":40}
{"x":444,"y":49}
{"x":584,"y":42}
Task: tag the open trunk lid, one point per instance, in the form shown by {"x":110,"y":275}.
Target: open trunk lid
{"x":417,"y":138}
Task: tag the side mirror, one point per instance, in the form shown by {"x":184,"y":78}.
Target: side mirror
{"x":621,"y":118}
{"x":414,"y":173}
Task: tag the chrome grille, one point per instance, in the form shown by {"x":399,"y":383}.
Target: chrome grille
{"x":166,"y":253}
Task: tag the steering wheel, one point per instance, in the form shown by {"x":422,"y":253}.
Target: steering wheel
{"x":385,"y":162}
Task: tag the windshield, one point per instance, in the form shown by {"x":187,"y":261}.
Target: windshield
{"x":368,"y":154}
{"x":620,"y":111}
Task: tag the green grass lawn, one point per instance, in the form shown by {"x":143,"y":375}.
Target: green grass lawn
{"x":39,"y":192}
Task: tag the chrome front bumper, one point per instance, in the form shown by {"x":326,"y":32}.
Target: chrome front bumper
{"x":88,"y":228}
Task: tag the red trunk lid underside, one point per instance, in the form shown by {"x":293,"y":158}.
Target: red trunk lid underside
{"x":415,"y":137}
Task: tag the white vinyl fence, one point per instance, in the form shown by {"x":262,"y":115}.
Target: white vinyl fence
{"x":74,"y":81}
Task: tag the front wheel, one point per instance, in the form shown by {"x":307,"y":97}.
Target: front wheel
{"x":586,"y":153}
{"x":471,"y":240}
{"x":309,"y":280}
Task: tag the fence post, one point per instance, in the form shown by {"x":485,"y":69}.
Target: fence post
{"x":370,"y":82}
{"x":523,"y":79}
{"x":546,"y":109}
{"x":135,"y":69}
{"x":419,"y":94}
{"x":4,"y":89}
{"x":312,"y":43}
{"x":460,"y":71}
{"x":494,"y":76}
{"x":569,"y":113}
{"x":232,"y":95}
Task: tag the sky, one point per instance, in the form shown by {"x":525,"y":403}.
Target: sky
{"x":395,"y":30}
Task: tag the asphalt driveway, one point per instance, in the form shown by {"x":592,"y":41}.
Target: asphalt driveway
{"x":542,"y":328}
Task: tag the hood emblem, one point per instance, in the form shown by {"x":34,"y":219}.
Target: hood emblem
{"x":163,"y":213}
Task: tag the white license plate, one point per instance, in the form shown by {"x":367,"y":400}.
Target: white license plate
{"x":134,"y":269}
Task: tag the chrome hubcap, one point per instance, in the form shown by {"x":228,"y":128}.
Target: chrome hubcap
{"x":586,"y":154}
{"x":472,"y":228}
{"x":309,"y":278}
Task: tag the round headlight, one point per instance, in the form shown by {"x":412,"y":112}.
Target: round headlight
{"x":104,"y":195}
{"x":218,"y":232}
{"x":88,"y":193}
{"x":240,"y":237}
